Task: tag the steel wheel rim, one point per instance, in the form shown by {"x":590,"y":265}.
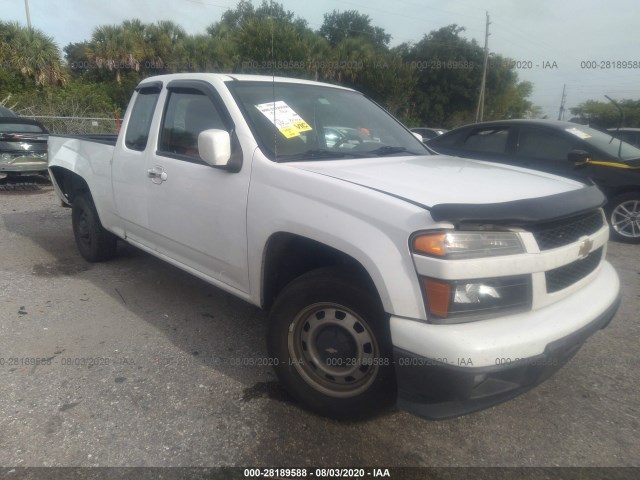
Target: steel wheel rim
{"x":625,"y":219}
{"x":333,"y":349}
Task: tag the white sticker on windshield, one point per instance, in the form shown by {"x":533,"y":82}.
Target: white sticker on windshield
{"x":288,"y":122}
{"x":578,"y":133}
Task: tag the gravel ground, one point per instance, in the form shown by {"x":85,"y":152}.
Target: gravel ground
{"x":141,"y":369}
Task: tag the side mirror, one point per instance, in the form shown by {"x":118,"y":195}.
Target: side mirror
{"x":418,"y":136}
{"x":215,"y":147}
{"x":578,"y":156}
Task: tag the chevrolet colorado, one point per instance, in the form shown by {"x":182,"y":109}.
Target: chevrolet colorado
{"x":390,"y":274}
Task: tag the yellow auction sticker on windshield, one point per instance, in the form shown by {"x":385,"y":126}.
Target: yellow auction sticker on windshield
{"x":578,"y":133}
{"x":287,"y":121}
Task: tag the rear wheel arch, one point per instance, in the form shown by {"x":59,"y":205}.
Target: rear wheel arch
{"x":70,"y":183}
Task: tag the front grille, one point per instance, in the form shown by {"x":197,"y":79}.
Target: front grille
{"x":567,"y":275}
{"x":558,"y":234}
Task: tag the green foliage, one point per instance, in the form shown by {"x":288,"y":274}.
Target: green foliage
{"x":338,"y":26}
{"x":606,"y":115}
{"x":449,"y":72}
{"x":433,"y":82}
{"x":75,"y":99}
{"x":32,"y":53}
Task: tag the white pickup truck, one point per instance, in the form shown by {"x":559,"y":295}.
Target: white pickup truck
{"x":389,"y":273}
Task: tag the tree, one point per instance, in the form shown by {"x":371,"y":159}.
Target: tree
{"x":449,"y":70}
{"x":201,"y":54}
{"x":32,"y":53}
{"x":117,"y":47}
{"x":349,"y":24}
{"x":605,"y":115}
{"x":267,"y":38}
{"x":77,"y":60}
{"x":165,"y":46}
{"x":390,"y":81}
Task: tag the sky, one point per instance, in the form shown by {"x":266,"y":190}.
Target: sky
{"x":582,"y":44}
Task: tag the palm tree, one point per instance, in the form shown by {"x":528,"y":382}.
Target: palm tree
{"x":165,"y":41}
{"x":32,"y":53}
{"x":118,"y":47}
{"x":348,"y":58}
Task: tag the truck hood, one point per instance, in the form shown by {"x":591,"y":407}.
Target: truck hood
{"x":439,"y":179}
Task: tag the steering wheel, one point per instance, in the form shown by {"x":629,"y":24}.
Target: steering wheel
{"x":346,"y":138}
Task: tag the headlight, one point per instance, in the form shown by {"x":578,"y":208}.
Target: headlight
{"x":455,"y":245}
{"x":469,"y":300}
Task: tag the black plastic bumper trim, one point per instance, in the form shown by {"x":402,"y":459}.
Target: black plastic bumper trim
{"x":436,"y":390}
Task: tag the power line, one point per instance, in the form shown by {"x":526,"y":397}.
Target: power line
{"x":26,"y":7}
{"x":564,"y":98}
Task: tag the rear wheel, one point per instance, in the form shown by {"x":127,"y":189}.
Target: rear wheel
{"x":331,"y":346}
{"x":94,"y":242}
{"x":623,"y":213}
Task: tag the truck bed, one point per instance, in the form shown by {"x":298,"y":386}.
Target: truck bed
{"x":106,"y":139}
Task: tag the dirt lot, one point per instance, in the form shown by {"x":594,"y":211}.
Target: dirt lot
{"x":143,"y":366}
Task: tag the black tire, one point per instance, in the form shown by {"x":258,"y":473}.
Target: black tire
{"x":330,"y":343}
{"x":94,"y":242}
{"x":623,"y":215}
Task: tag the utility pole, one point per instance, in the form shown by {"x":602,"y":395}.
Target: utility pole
{"x":26,"y":7}
{"x":480,"y":109}
{"x":564,"y":97}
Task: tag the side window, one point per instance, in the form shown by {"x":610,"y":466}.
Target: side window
{"x":447,"y":140}
{"x":543,"y":144}
{"x":487,"y":140}
{"x":187,"y":113}
{"x":140,"y":120}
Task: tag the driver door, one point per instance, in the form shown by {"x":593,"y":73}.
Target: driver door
{"x":197,"y":213}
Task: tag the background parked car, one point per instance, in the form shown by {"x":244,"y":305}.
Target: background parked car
{"x":562,"y":148}
{"x":6,"y":112}
{"x":23,"y":147}
{"x":629,"y":135}
{"x":428,"y":133}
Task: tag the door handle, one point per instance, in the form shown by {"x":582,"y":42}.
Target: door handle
{"x":157,"y":175}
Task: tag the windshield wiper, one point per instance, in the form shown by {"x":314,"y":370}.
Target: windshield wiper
{"x":389,"y":150}
{"x":315,"y":154}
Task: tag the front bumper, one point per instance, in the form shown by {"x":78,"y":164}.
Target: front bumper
{"x":449,"y":370}
{"x":436,"y":390}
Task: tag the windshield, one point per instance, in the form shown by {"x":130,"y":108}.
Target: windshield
{"x":606,"y":143}
{"x":310,"y":122}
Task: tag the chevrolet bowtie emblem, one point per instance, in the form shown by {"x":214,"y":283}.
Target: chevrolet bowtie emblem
{"x":585,"y":248}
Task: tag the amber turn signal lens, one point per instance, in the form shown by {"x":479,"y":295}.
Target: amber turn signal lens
{"x":438,"y":297}
{"x":431,"y":244}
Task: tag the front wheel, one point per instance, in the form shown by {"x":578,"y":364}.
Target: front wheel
{"x":331,"y":345}
{"x":623,"y":213}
